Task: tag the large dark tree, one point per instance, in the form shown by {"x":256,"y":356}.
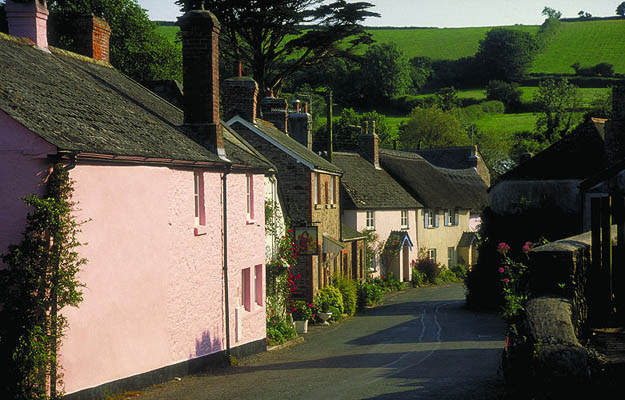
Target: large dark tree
{"x":505,"y":54}
{"x":270,"y":38}
{"x":136,"y":48}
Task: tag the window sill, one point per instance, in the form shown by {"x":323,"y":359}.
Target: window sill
{"x":200,"y":230}
{"x":318,"y":206}
{"x":332,"y":205}
{"x":404,"y":228}
{"x":250,"y":222}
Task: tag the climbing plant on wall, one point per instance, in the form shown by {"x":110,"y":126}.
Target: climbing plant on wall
{"x":40,"y":279}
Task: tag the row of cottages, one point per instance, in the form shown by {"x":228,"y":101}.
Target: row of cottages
{"x":174,"y":203}
{"x":308,"y":184}
{"x":563,"y":178}
{"x":413,"y":205}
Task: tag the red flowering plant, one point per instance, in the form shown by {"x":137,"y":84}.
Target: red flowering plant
{"x":513,"y":277}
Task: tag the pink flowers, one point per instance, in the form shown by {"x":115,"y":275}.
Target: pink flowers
{"x":506,"y":280}
{"x":527,"y":247}
{"x":503,"y":248}
{"x":501,"y":270}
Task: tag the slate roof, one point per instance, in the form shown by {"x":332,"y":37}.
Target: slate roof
{"x":365,"y":187}
{"x":448,"y":157}
{"x":435,"y":187}
{"x":287,"y":143}
{"x":350,"y":234}
{"x":396,"y":240}
{"x":78,"y":104}
{"x":578,"y":155}
{"x":467,"y":239}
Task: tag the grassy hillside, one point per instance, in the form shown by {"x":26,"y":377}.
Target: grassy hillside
{"x":589,"y":43}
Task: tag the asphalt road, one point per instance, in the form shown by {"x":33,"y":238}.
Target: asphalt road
{"x":420,"y":344}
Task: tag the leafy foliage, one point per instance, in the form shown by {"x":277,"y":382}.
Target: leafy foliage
{"x":385,"y":72}
{"x":556,"y":100}
{"x":349,"y":126}
{"x":348,"y":290}
{"x":369,"y":293}
{"x":137,"y":49}
{"x":432,"y":127}
{"x":329,"y":299}
{"x":279,"y":330}
{"x":269,"y":37}
{"x":39,"y":281}
{"x":506,"y":92}
{"x":506,"y":54}
{"x":620,"y":9}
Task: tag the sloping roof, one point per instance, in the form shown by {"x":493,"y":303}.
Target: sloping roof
{"x":350,"y":234}
{"x":78,"y":104}
{"x":467,"y":239}
{"x":368,"y":187}
{"x":396,"y":240}
{"x":578,"y":155}
{"x":449,"y":157}
{"x":433,"y":187}
{"x":473,"y":188}
{"x":287,"y":144}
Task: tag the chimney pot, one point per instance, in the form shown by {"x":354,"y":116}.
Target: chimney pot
{"x":93,"y":36}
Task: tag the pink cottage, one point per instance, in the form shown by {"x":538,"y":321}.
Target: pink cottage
{"x":175,"y":274}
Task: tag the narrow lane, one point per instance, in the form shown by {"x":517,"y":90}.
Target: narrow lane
{"x":421,"y":343}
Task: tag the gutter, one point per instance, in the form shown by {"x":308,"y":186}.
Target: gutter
{"x":224,"y":179}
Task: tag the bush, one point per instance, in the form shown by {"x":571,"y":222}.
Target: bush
{"x":329,"y":299}
{"x":418,"y":278}
{"x":471,"y":113}
{"x":507,"y":93}
{"x":447,"y":275}
{"x":430,"y":268}
{"x":493,"y":107}
{"x":302,"y":311}
{"x":369,"y":293}
{"x":460,"y":270}
{"x":279,"y":330}
{"x":349,"y":292}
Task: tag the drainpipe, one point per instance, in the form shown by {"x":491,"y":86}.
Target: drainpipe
{"x":225,"y":261}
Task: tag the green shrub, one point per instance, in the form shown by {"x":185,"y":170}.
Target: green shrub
{"x":507,"y":93}
{"x":329,"y":299}
{"x":279,"y":330}
{"x":418,"y":278}
{"x":369,"y":293}
{"x":429,"y":268}
{"x":447,"y":275}
{"x":493,"y":107}
{"x":390,"y":283}
{"x":460,"y":270}
{"x":349,"y":292}
{"x":302,"y":311}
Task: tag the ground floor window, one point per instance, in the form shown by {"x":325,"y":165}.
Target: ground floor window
{"x":451,"y":257}
{"x":432,"y":254}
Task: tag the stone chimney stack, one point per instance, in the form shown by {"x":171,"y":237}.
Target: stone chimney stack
{"x":28,"y":20}
{"x":93,"y":37}
{"x":300,"y":124}
{"x":200,"y":76}
{"x":275,"y":111}
{"x":239,"y":96}
{"x":368,"y":144}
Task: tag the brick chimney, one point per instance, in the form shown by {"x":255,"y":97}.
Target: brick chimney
{"x":615,"y":127}
{"x":368,"y":144}
{"x":200,"y":76}
{"x":28,"y":20}
{"x":275,"y":111}
{"x":93,"y":37}
{"x":239,"y":96}
{"x":300,"y":124}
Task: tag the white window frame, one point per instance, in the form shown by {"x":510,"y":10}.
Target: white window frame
{"x":249,"y":179}
{"x":315,"y":188}
{"x":430,"y":218}
{"x":370,"y":220}
{"x":333,"y":189}
{"x":196,"y":195}
{"x":451,"y":217}
{"x":404,"y":219}
{"x":432,"y":254}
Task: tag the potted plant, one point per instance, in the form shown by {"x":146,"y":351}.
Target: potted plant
{"x":302,"y":312}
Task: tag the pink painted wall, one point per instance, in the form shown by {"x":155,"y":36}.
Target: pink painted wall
{"x":154,"y":292}
{"x":22,"y":170}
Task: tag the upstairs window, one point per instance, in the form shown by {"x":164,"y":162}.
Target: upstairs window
{"x":316,"y":189}
{"x":451,"y":218}
{"x":333,"y":189}
{"x":198,"y":197}
{"x":370,"y":220}
{"x":430,"y":218}
{"x":404,"y":219}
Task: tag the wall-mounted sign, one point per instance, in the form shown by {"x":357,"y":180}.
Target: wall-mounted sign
{"x":306,"y":240}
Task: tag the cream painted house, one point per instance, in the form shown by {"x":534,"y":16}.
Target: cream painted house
{"x":451,"y":201}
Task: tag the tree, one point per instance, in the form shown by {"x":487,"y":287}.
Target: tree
{"x":420,"y":71}
{"x":584,"y":15}
{"x":349,"y":127}
{"x":432,"y":127}
{"x":507,"y":93}
{"x":620,"y":10}
{"x":269,"y":36}
{"x":505,"y":54}
{"x":447,"y":98}
{"x":551,"y":13}
{"x":556,"y":100}
{"x":137,"y":49}
{"x":385,"y":72}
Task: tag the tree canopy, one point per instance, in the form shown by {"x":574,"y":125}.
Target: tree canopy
{"x":432,"y":127}
{"x":620,"y":10}
{"x":556,"y":100}
{"x":136,"y":48}
{"x":269,"y":36}
{"x":385,"y":72}
{"x":551,"y":13}
{"x":505,"y":54}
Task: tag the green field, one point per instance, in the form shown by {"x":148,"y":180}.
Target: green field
{"x":588,"y":43}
